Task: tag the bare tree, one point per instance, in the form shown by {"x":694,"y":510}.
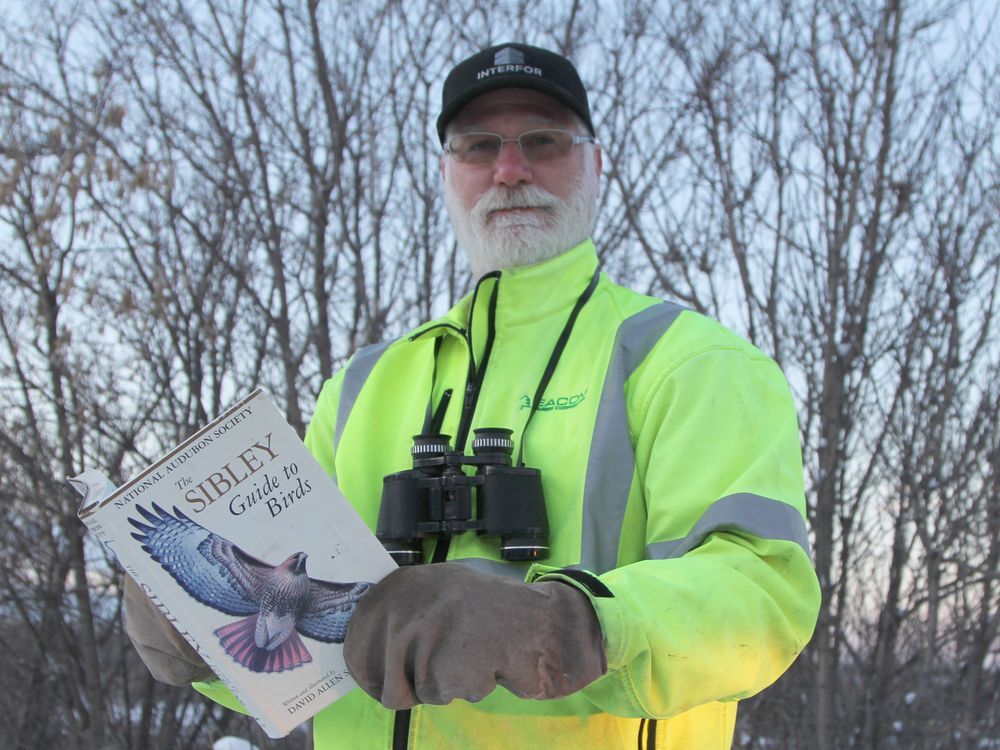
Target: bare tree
{"x":197,"y":198}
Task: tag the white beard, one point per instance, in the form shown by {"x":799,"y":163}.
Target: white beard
{"x":522,"y":238}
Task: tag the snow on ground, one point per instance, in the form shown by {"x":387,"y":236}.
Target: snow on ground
{"x":232,"y":743}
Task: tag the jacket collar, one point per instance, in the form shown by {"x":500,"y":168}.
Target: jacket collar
{"x":526,"y":294}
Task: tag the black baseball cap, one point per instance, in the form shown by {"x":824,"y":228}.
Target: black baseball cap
{"x":513,"y":65}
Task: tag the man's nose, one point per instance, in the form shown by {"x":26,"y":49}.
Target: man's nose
{"x":511,"y":167}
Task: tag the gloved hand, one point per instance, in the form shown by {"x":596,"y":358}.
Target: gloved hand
{"x":163,"y":650}
{"x":434,"y":633}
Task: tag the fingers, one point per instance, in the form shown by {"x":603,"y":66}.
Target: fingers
{"x":167,"y":655}
{"x":436,"y":633}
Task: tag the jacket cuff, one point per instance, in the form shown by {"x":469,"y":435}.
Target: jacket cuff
{"x":601,"y":598}
{"x":582,"y":579}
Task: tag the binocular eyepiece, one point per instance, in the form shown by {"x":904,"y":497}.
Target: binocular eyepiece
{"x":436,"y":498}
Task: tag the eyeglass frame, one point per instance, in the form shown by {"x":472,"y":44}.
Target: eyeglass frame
{"x":575,"y":140}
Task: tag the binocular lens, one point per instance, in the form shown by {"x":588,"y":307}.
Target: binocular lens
{"x":405,"y":552}
{"x":514,"y":549}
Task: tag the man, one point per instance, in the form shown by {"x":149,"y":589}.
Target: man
{"x":677,"y":578}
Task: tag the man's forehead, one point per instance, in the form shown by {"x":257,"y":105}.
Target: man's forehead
{"x":531,"y":104}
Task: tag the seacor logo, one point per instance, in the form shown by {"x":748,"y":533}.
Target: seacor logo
{"x":508,"y":60}
{"x":559,"y":403}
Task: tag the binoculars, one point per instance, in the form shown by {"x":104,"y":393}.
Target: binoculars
{"x":436,"y":499}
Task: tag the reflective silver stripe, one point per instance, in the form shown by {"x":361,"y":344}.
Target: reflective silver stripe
{"x":746,"y":512}
{"x":357,"y":373}
{"x":612,"y":459}
{"x":516,"y":570}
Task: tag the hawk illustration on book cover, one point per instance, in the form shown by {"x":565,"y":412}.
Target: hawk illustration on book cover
{"x":276,"y":603}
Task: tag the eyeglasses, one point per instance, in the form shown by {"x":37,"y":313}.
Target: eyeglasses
{"x":536,"y":145}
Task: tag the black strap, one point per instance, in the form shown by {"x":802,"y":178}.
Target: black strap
{"x":550,"y":368}
{"x":594,"y":585}
{"x":437,"y":420}
{"x":476,"y":375}
{"x":477,"y":371}
{"x":474,"y":381}
{"x":401,"y":730}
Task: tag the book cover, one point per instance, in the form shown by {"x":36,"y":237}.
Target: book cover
{"x":248,"y":547}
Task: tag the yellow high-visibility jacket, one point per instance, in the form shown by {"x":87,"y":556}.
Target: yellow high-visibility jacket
{"x":672,"y":474}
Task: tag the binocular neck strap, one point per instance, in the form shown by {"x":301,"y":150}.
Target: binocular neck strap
{"x":550,"y":368}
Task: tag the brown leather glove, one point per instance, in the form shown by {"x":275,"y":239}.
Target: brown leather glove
{"x":163,"y":650}
{"x":434,"y":633}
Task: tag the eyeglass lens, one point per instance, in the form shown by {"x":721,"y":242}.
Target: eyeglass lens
{"x":536,"y":145}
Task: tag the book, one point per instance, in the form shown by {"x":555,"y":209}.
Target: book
{"x":248,"y":547}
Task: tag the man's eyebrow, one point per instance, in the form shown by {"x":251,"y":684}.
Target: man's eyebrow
{"x":543,"y":119}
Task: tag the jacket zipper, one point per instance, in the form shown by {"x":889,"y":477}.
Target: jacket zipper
{"x":473,"y":384}
{"x":650,"y":729}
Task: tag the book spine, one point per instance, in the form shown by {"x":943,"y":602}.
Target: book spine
{"x":275,"y":726}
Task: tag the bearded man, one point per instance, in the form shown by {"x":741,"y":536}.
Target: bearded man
{"x":674,"y":578}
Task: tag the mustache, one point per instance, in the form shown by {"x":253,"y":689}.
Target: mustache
{"x":523,"y":196}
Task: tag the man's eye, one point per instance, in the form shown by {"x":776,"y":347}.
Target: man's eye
{"x":541,"y":139}
{"x":480,"y":145}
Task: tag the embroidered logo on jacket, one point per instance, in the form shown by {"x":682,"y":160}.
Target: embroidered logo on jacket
{"x":558,"y":403}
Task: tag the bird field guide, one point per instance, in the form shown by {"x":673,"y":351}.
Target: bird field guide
{"x":244,"y":542}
